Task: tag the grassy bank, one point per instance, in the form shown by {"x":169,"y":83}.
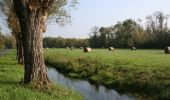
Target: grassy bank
{"x":142,"y":72}
{"x":11,"y":74}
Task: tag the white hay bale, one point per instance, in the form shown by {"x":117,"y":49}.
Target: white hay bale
{"x":67,"y":48}
{"x":111,"y":48}
{"x":71,"y":48}
{"x":133,"y":48}
{"x":87,"y":49}
{"x":167,"y":50}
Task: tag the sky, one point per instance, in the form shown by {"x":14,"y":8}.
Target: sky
{"x":90,"y":13}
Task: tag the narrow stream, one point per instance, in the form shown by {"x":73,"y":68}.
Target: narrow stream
{"x":88,"y":91}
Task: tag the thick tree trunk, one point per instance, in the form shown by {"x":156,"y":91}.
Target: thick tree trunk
{"x":20,"y":50}
{"x":32,"y":23}
{"x":17,"y":41}
{"x":20,"y":56}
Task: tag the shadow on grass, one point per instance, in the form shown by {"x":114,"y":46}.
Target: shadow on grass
{"x":3,"y":63}
{"x":159,"y":53}
{"x":8,"y":83}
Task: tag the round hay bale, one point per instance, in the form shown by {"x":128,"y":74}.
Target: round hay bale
{"x":71,"y":48}
{"x":87,"y":49}
{"x":67,"y":48}
{"x":167,"y":50}
{"x":133,"y":48}
{"x":81,"y":47}
{"x":111,"y":48}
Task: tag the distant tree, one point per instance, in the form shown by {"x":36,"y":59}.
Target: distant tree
{"x":130,"y":32}
{"x":127,"y":33}
{"x":103,"y":36}
{"x":2,"y":40}
{"x":94,"y":37}
{"x":60,"y":42}
{"x":10,"y":42}
{"x":157,"y":29}
{"x":13,"y":23}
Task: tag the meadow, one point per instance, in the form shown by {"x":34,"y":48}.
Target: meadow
{"x":11,"y":75}
{"x":144,"y":73}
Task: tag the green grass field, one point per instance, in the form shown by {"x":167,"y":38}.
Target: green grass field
{"x":10,"y":89}
{"x":144,"y":73}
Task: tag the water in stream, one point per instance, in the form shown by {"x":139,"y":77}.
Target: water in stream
{"x":88,"y":91}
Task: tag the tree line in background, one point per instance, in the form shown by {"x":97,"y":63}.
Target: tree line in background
{"x":155,"y":34}
{"x":125,"y":34}
{"x":7,"y":41}
{"x":59,"y":42}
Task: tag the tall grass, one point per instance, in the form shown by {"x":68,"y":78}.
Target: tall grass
{"x":141,"y":72}
{"x":10,"y":89}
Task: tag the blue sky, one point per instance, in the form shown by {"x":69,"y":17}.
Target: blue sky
{"x":91,"y":13}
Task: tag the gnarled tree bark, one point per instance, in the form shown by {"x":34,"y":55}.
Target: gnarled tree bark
{"x":32,"y":19}
{"x":20,"y":50}
{"x":19,"y":45}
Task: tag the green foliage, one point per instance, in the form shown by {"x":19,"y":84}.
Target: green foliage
{"x":10,"y":89}
{"x":59,"y":42}
{"x":61,"y":11}
{"x":6,"y":41}
{"x":130,"y":33}
{"x":2,"y":41}
{"x":125,"y":34}
{"x":10,"y":42}
{"x":144,"y":73}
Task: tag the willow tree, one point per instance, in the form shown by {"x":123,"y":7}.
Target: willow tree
{"x":8,"y":9}
{"x":32,"y":15}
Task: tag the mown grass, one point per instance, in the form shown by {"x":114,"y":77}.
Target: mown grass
{"x":145,"y":73}
{"x":10,"y":89}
